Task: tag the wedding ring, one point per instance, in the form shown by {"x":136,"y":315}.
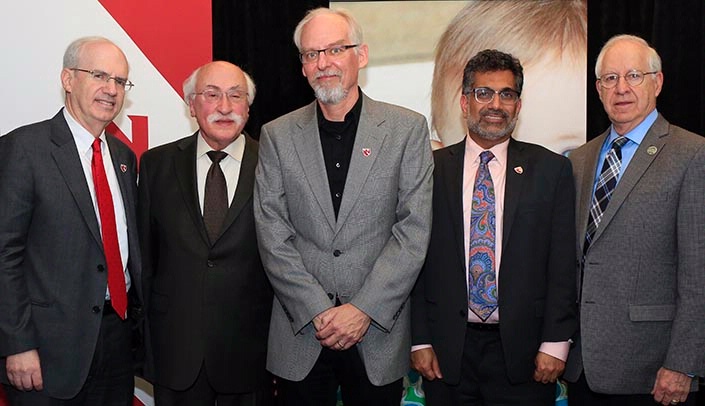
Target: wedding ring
{"x":674,"y":402}
{"x":341,"y":346}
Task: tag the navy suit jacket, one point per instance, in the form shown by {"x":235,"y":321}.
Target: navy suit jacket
{"x":536,"y":279}
{"x":52,"y":266}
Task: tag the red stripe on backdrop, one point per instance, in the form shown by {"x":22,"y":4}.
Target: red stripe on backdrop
{"x":176,"y":37}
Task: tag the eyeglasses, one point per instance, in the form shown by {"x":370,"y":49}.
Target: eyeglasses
{"x":485,"y":95}
{"x":104,"y":77}
{"x":633,"y":78}
{"x":334,"y":52}
{"x":214,"y":95}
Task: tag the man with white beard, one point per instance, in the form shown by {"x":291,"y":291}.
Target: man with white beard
{"x":208,"y":298}
{"x":342,"y":204}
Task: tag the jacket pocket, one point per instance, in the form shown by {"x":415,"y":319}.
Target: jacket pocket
{"x":665,"y":312}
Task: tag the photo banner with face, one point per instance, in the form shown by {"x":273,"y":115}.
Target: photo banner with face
{"x":419,"y":64}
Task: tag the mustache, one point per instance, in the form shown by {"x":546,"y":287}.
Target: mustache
{"x":328,"y":73}
{"x":237,"y":118}
{"x":495,"y":112}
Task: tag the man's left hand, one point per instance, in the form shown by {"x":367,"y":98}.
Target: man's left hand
{"x":671,"y":387}
{"x":344,"y":326}
{"x":548,"y":368}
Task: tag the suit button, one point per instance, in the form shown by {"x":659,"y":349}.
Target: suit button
{"x":96,"y":309}
{"x":463,"y":313}
{"x":100,"y":268}
{"x":331,"y":296}
{"x":336,"y":253}
{"x":210,"y":264}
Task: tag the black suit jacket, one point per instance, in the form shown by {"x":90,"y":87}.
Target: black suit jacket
{"x":207,"y":303}
{"x":536,"y":278}
{"x":52,"y":267}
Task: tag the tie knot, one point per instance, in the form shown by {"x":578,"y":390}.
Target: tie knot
{"x":96,"y":145}
{"x":619,"y":142}
{"x":216,"y":156}
{"x":486,"y":156}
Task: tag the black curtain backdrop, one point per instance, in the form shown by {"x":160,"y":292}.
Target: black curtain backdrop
{"x":676,"y":29}
{"x":257,"y":35}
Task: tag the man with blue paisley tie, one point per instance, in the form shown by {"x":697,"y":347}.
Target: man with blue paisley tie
{"x":493,"y":311}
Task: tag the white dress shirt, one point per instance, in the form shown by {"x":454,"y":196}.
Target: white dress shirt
{"x":230,"y":165}
{"x":84,"y":142}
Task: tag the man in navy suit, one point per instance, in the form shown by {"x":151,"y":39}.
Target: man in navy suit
{"x":492,"y":317}
{"x":65,"y":332}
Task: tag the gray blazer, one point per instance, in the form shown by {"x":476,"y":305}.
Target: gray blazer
{"x":52,"y":267}
{"x":369,"y":257}
{"x":643,"y":290}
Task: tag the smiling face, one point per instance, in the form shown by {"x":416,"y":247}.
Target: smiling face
{"x":94,"y":103}
{"x":491,"y":123}
{"x":221,"y":121}
{"x":333,"y":79}
{"x":626,"y":105}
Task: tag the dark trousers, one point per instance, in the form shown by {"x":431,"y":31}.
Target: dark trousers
{"x":580,"y":394}
{"x":484,"y":380}
{"x":110,"y":379}
{"x":333,"y":369}
{"x":201,"y":393}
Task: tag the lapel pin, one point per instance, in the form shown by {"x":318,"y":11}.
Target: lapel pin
{"x":519,"y":170}
{"x":651,"y":150}
{"x":123,"y":168}
{"x":366,"y":151}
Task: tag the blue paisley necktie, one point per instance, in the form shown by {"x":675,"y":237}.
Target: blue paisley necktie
{"x":482,"y":279}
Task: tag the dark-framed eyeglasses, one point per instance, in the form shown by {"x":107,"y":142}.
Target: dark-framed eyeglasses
{"x":633,"y":78}
{"x":212,"y":96}
{"x":485,"y":95}
{"x":105,"y":77}
{"x":334,"y":52}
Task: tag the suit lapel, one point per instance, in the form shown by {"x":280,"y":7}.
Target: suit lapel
{"x":185,"y":169}
{"x":370,"y":135}
{"x":245,"y":183}
{"x":308,"y":147}
{"x":120,"y":162}
{"x":454,"y":171}
{"x":586,"y":183}
{"x":655,"y":137}
{"x":514,"y":186}
{"x":69,"y":163}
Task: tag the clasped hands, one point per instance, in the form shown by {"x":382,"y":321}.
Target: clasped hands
{"x":341,"y":327}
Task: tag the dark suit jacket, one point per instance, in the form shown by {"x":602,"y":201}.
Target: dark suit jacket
{"x":206,"y":303}
{"x":642,"y":297}
{"x":52,"y":267}
{"x":536,"y":283}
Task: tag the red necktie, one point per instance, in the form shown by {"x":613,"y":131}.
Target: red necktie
{"x":116,"y":276}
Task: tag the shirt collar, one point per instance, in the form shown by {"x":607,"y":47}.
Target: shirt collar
{"x":352,"y":116}
{"x":499,"y":151}
{"x":235,"y":149}
{"x":83,"y":138}
{"x":638,"y":133}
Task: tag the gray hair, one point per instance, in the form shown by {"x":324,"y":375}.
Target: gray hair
{"x":354,"y":28}
{"x":653,"y":59}
{"x":189,"y":87}
{"x":73,"y":51}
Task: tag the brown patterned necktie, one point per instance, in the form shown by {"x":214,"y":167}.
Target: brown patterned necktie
{"x":215,"y":201}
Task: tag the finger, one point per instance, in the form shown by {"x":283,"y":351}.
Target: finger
{"x":26,"y":382}
{"x":37,"y":380}
{"x":436,"y":368}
